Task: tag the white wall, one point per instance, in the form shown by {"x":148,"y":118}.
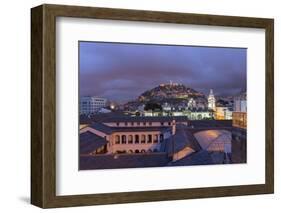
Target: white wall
{"x":15,"y":106}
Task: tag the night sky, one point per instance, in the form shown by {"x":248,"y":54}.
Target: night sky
{"x":121,"y":72}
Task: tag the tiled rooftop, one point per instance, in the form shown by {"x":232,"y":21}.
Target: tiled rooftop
{"x":101,"y":127}
{"x":183,"y":138}
{"x":108,"y":130}
{"x":214,"y":140}
{"x":88,"y":142}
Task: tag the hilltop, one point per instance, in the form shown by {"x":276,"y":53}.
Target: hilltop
{"x":171,"y":91}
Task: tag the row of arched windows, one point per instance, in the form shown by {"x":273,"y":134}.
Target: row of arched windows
{"x":130,"y":139}
{"x":134,"y":123}
{"x":136,"y":151}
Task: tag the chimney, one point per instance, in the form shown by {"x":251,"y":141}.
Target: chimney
{"x":173,"y":127}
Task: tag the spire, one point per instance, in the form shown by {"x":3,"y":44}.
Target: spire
{"x":211,"y":92}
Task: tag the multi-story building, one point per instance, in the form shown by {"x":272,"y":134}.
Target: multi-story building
{"x":223,"y":113}
{"x":240,"y":111}
{"x":133,"y":134}
{"x":240,"y":103}
{"x":191,"y":103}
{"x":89,"y":104}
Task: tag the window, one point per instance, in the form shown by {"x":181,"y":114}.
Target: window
{"x":155,"y":139}
{"x":150,"y":123}
{"x":130,"y":139}
{"x":117,"y":139}
{"x":138,"y":123}
{"x":124,"y":139}
{"x":126,"y":124}
{"x":137,"y":139}
{"x":144,"y":123}
{"x":149,"y":140}
{"x":162,"y":123}
{"x":132,"y":123}
{"x":117,"y":124}
{"x":142,"y":138}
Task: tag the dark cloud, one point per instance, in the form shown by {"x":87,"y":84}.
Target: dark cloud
{"x":123,"y":71}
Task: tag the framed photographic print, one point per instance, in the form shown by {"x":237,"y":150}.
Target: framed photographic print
{"x":137,"y":106}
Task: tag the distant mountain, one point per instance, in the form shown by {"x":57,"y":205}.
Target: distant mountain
{"x":171,"y":91}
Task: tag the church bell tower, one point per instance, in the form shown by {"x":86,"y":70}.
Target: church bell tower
{"x":211,"y":101}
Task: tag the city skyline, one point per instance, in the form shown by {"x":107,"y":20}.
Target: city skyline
{"x":148,"y":109}
{"x":122,"y":71}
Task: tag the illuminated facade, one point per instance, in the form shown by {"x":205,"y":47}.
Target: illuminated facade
{"x":190,"y":114}
{"x":211,"y":101}
{"x":239,"y":119}
{"x":135,"y":134}
{"x":240,"y":111}
{"x":223,"y":113}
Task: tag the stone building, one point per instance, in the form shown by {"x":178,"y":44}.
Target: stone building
{"x":133,"y":134}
